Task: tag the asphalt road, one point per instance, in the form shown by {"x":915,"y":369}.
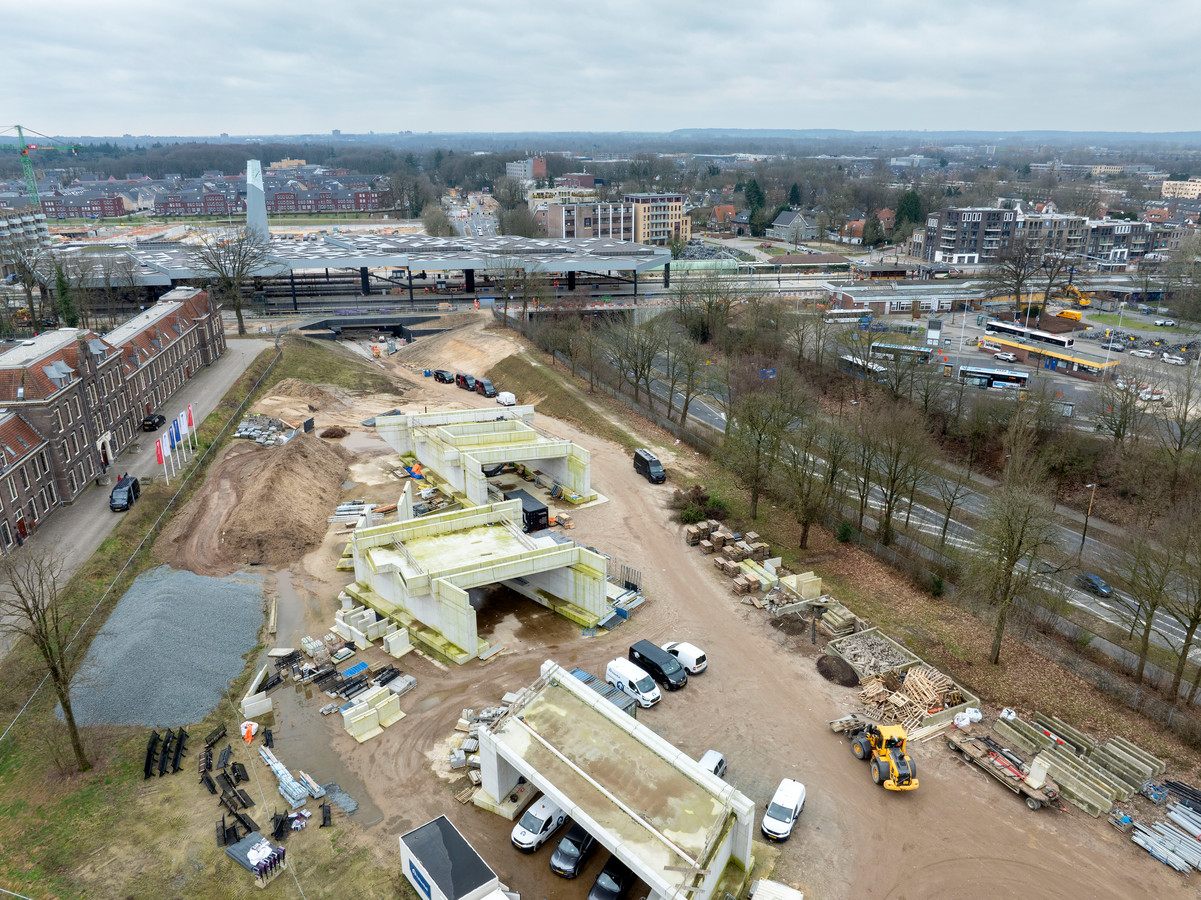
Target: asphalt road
{"x":76,"y":531}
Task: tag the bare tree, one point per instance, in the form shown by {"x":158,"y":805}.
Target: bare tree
{"x":229,"y":259}
{"x":801,"y":477}
{"x":865,"y":452}
{"x":33,"y":606}
{"x":1184,"y":603}
{"x":950,"y":492}
{"x":1176,"y":425}
{"x":1121,"y":405}
{"x":33,"y":263}
{"x":1018,"y":533}
{"x":761,"y":421}
{"x":587,"y":342}
{"x":902,"y":446}
{"x":647,"y":342}
{"x":1013,"y":272}
{"x":688,"y":363}
{"x":1149,"y":570}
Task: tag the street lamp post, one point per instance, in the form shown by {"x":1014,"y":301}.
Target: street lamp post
{"x":1089,"y":512}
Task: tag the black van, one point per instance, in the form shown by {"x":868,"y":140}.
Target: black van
{"x":648,"y":466}
{"x":534,"y":515}
{"x":484,"y":386}
{"x":465,"y":381}
{"x":659,"y":664}
{"x":125,"y":492}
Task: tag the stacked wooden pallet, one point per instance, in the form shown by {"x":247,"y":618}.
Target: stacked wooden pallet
{"x":692,"y":535}
{"x":889,"y":700}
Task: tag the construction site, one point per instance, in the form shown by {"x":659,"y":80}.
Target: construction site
{"x":431,"y":661}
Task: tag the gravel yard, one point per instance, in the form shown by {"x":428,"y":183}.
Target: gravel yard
{"x":169,"y":650}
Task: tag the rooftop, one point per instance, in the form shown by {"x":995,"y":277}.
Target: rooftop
{"x":129,"y":329}
{"x":33,"y":349}
{"x":451,"y":862}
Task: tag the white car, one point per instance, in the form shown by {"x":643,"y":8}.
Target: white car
{"x":714,"y":762}
{"x":691,"y":657}
{"x":1172,"y":360}
{"x":506,"y":398}
{"x":783,"y":809}
{"x":1151,"y":395}
{"x":1005,"y":357}
{"x":1142,"y":354}
{"x":540,"y":821}
{"x":1165,"y":323}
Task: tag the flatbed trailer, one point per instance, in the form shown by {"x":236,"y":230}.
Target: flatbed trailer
{"x":1007,"y":769}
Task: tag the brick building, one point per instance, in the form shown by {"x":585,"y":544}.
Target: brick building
{"x":967,"y":236}
{"x":73,"y":400}
{"x":82,"y":206}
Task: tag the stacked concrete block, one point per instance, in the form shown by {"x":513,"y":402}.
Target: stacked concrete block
{"x":397,"y":643}
{"x":256,"y":703}
{"x":361,"y":626}
{"x":370,"y":713}
{"x":751,"y":537}
{"x":760,"y":551}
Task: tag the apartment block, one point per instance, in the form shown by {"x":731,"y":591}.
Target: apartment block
{"x":659,"y":219}
{"x":1054,"y":231}
{"x":1182,"y":190}
{"x":585,"y":220}
{"x":968,"y":236}
{"x":526,"y":169}
{"x":73,"y":400}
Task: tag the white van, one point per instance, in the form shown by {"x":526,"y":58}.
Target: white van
{"x":1172,"y":360}
{"x":628,"y":678}
{"x":539,"y":822}
{"x":783,"y":810}
{"x":691,"y":657}
{"x":506,"y":398}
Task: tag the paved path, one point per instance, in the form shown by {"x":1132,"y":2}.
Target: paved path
{"x":77,"y":530}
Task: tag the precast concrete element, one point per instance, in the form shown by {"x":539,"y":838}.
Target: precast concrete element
{"x":256,"y":203}
{"x":459,"y":444}
{"x":675,"y":824}
{"x":418,"y":573}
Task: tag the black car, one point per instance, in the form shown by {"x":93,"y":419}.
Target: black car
{"x":613,"y":882}
{"x":573,"y":851}
{"x":443,"y":376}
{"x":154,"y":422}
{"x":1094,"y":584}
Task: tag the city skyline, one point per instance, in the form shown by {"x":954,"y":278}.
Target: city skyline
{"x":135,"y":67}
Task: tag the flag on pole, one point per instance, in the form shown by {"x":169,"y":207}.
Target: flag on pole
{"x":192,"y":428}
{"x":158,"y":451}
{"x":179,"y":430}
{"x":190,"y":423}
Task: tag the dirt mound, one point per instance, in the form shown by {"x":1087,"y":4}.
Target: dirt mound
{"x":837,"y":669}
{"x":302,"y":390}
{"x":284,"y":505}
{"x":335,"y":431}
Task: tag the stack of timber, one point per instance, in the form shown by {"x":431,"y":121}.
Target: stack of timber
{"x":910,"y":699}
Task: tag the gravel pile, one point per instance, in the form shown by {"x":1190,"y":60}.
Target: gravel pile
{"x":169,"y":650}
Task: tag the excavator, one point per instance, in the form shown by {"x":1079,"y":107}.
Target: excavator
{"x":884,"y":747}
{"x":1079,"y":297}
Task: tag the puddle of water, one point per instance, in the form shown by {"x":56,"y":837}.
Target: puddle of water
{"x":364,"y":441}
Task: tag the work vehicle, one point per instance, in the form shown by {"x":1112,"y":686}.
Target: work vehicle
{"x":441,"y":375}
{"x":648,"y":466}
{"x":125,"y":493}
{"x":534,"y":515}
{"x":1005,"y":357}
{"x":1028,"y":781}
{"x":1094,"y":584}
{"x":884,"y":747}
{"x":691,"y":657}
{"x":539,"y":822}
{"x":154,"y":422}
{"x":613,"y":882}
{"x":627,"y":677}
{"x":506,"y":398}
{"x":713,"y":762}
{"x":782,"y":810}
{"x":1074,"y":314}
{"x":1172,"y":360}
{"x":484,"y":386}
{"x":465,"y":381}
{"x":659,"y":664}
{"x":1143,"y":353}
{"x":573,"y":851}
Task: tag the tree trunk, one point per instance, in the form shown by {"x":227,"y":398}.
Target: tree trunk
{"x":994,"y":655}
{"x":804,"y":545}
{"x":755,"y":499}
{"x":64,"y":699}
{"x":942,"y":535}
{"x":1178,"y":675}
{"x":1144,"y":648}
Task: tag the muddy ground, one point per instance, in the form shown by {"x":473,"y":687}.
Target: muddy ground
{"x":761,"y":702}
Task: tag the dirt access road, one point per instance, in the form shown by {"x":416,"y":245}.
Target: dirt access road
{"x":761,"y":703}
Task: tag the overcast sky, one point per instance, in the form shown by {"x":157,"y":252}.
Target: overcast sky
{"x":272,"y":67}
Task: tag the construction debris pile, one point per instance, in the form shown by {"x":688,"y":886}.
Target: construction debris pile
{"x":1090,"y":775}
{"x":264,"y":430}
{"x":742,"y":557}
{"x":1175,"y":843}
{"x":465,"y":755}
{"x":872,"y":653}
{"x":908,"y":698}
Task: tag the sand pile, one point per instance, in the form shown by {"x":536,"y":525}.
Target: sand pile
{"x":302,"y":390}
{"x":284,"y":505}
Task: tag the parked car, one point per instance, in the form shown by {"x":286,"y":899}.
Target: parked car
{"x":540,"y":821}
{"x":1172,"y":360}
{"x":506,"y":398}
{"x":691,"y":657}
{"x":466,"y":382}
{"x":573,"y":851}
{"x":443,"y":376}
{"x":713,"y":762}
{"x":154,"y":422}
{"x":484,"y":386}
{"x":782,"y":810}
{"x":628,"y":678}
{"x":1142,"y":353}
{"x":648,"y":466}
{"x":1005,"y":357}
{"x":613,"y":882}
{"x":1153,"y":395}
{"x":1165,"y":323}
{"x":1112,"y":346}
{"x":124,"y":494}
{"x":659,"y":664}
{"x":1094,"y":584}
